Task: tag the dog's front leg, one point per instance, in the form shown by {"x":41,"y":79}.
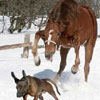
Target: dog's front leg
{"x":41,"y":97}
{"x":36,"y":97}
{"x":25,"y":97}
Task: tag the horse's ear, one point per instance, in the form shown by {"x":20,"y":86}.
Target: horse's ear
{"x":58,"y":34}
{"x":42,"y":34}
{"x":15,"y":79}
{"x":24,"y":74}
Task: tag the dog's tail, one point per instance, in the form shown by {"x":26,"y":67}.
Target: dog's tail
{"x":49,"y":80}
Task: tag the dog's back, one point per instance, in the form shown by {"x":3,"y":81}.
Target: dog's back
{"x":35,"y":85}
{"x":42,"y":85}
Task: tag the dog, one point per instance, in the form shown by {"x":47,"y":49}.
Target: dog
{"x":33,"y":86}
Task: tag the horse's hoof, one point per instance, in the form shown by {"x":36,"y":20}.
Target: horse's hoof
{"x":74,"y":72}
{"x":37,"y":61}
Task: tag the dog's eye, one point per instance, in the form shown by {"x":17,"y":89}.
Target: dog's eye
{"x":19,"y":87}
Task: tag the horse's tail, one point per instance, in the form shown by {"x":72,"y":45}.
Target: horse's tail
{"x":49,"y":80}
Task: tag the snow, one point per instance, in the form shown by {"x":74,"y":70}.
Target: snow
{"x":98,"y":20}
{"x":71,"y":87}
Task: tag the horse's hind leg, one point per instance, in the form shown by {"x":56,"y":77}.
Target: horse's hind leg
{"x":88,"y":56}
{"x":63,"y":54}
{"x":77,"y":61}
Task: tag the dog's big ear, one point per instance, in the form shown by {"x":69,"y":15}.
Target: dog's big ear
{"x":24,"y":74}
{"x":27,"y":83}
{"x":15,"y":79}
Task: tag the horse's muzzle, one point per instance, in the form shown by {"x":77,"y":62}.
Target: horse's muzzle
{"x":49,"y":56}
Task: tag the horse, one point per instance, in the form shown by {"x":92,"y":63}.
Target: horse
{"x":69,"y":25}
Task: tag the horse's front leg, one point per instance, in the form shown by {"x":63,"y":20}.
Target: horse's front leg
{"x":63,"y":54}
{"x":35,"y":46}
{"x":77,"y":61}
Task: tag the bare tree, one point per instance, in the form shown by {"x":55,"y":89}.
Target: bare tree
{"x":94,"y":4}
{"x":27,"y":12}
{"x":24,"y":13}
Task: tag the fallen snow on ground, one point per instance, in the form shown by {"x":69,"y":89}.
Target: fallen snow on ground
{"x":71,"y":87}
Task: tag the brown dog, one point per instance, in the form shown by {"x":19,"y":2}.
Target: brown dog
{"x":33,"y":86}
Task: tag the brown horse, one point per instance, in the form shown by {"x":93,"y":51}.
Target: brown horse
{"x":69,"y":25}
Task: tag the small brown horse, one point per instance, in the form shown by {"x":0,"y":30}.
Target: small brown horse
{"x":69,"y":25}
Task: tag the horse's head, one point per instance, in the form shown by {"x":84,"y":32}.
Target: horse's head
{"x":55,"y":35}
{"x":51,"y":39}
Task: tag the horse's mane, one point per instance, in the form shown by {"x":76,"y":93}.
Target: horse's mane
{"x":64,"y":11}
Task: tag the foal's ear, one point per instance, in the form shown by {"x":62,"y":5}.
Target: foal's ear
{"x":24,"y":74}
{"x":15,"y":79}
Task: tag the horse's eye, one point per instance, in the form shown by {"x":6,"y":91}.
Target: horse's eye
{"x":59,"y":34}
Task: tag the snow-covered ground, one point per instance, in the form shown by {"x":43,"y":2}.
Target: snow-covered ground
{"x":71,"y":87}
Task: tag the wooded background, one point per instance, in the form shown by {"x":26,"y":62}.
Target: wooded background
{"x":24,"y":13}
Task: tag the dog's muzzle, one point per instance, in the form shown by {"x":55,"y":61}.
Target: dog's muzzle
{"x":20,"y":95}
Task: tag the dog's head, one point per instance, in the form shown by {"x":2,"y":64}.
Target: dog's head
{"x":21,"y":84}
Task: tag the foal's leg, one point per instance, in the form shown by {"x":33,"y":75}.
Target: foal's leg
{"x":63,"y":54}
{"x":77,"y":61}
